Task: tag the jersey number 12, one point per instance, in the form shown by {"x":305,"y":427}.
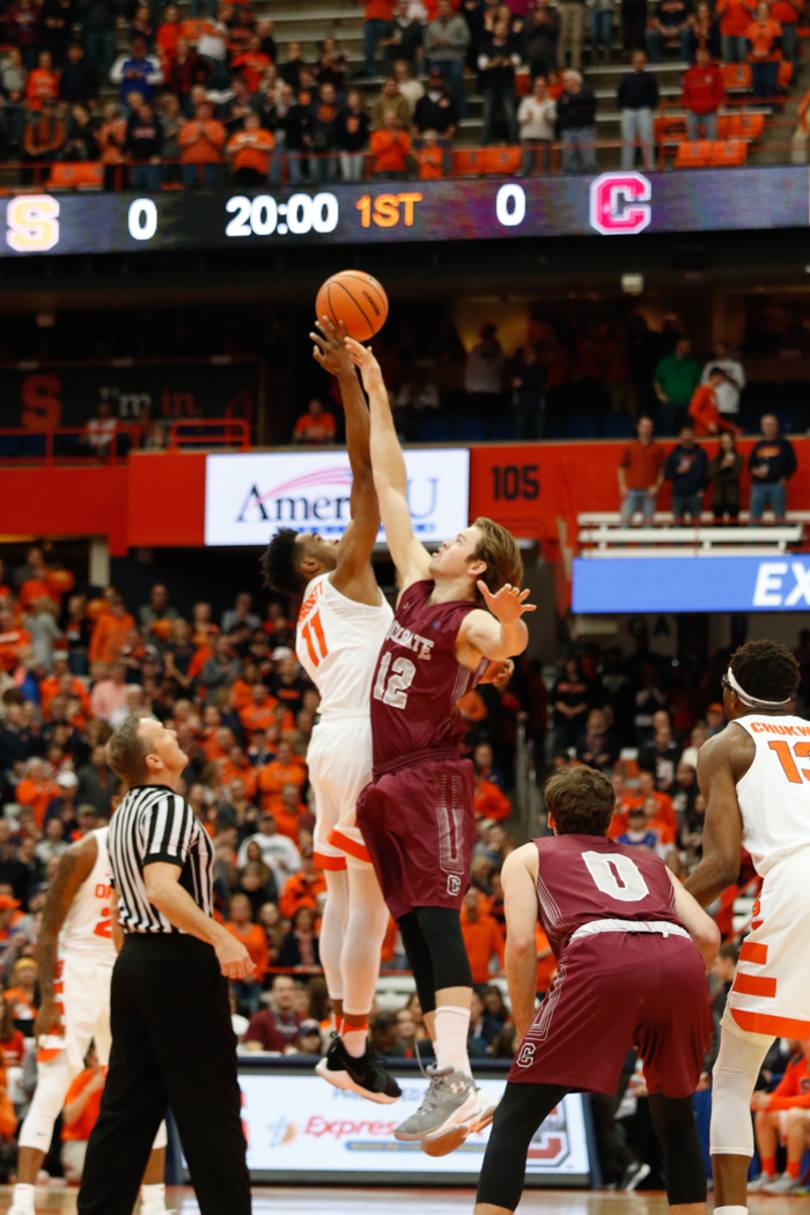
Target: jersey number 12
{"x":402,"y":673}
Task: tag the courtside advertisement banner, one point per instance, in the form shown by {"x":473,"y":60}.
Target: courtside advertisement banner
{"x":248,"y":497}
{"x":691,"y":584}
{"x":298,"y":1127}
{"x":619,"y":203}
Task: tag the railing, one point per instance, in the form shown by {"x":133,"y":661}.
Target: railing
{"x":76,"y":445}
{"x":210,"y":432}
{"x":324,"y":169}
{"x":67,"y":445}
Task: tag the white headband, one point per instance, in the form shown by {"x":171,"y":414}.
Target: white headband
{"x":752,"y":701}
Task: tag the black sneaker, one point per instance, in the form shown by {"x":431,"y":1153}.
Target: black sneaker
{"x":364,"y":1076}
{"x":634,"y":1174}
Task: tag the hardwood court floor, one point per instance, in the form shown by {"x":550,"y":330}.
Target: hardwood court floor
{"x":339,"y":1201}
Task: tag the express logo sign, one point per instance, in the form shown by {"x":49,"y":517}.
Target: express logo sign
{"x":620,"y":203}
{"x":249,"y":496}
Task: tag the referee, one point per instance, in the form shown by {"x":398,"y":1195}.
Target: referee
{"x":173,"y":1044}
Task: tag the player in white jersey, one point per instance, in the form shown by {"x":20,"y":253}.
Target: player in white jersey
{"x":341,"y":626}
{"x":76,"y":952}
{"x":755,"y":776}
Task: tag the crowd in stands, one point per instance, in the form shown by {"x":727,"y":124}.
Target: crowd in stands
{"x":75,"y":661}
{"x":202,"y":96}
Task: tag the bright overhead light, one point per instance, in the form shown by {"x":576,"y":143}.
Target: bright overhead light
{"x":633,"y":284}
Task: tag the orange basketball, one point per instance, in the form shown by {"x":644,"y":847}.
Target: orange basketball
{"x":356,"y":299}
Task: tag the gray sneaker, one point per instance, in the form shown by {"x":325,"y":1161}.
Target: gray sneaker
{"x":449,"y":1096}
{"x":760,"y":1182}
{"x":474,"y":1119}
{"x":782,"y":1185}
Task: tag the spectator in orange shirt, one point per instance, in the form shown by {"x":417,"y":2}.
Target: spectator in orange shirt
{"x":490,"y":803}
{"x":289,"y":810}
{"x":252,"y":63}
{"x":12,"y":640}
{"x":787,"y":13}
{"x":315,"y":426}
{"x":252,"y":936}
{"x":250,"y":150}
{"x":430,"y":158}
{"x":110,"y":633}
{"x":258,"y":713}
{"x":483,"y":939}
{"x":704,"y":407}
{"x":80,"y":1115}
{"x":202,"y":140}
{"x":784,"y":1114}
{"x":168,"y":35}
{"x":735,"y":18}
{"x":237,"y":764}
{"x":390,"y":147}
{"x":286,"y":769}
{"x":703,"y":94}
{"x":36,"y":790}
{"x":43,"y":83}
{"x":641,"y":473}
{"x":764,"y":36}
{"x":303,"y":889}
{"x":546,"y":962}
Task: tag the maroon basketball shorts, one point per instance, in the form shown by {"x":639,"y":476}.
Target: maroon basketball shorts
{"x":418,"y":823}
{"x":614,"y":990}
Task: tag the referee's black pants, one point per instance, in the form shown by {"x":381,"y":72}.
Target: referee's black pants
{"x":172,"y":1045}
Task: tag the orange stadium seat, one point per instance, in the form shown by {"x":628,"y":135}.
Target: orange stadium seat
{"x":751,"y":126}
{"x":785,"y":75}
{"x":79,"y":175}
{"x":729,"y":152}
{"x":670,"y":128}
{"x":485,"y":162}
{"x":695,"y":154}
{"x":737,"y":77}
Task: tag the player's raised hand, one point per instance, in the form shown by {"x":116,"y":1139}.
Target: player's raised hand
{"x":329,"y":348}
{"x":363,"y":357}
{"x":508,"y":604}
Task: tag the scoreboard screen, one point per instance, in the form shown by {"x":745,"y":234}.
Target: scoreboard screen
{"x":613,"y":204}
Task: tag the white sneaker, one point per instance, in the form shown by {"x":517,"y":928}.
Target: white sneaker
{"x":475,"y":1119}
{"x":760,"y":1182}
{"x":781,"y":1185}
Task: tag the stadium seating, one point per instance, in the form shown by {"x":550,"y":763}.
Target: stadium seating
{"x":81,"y":175}
{"x":737,"y":77}
{"x":485,"y":162}
{"x":696,"y":154}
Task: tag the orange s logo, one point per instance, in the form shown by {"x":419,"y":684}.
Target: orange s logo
{"x":41,"y":406}
{"x":33,"y":223}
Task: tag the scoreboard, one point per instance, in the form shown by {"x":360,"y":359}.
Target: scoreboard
{"x":612,"y":204}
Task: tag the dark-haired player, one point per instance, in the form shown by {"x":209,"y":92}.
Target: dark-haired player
{"x":341,"y":626}
{"x":755,"y":776}
{"x":629,"y":975}
{"x":417,"y":817}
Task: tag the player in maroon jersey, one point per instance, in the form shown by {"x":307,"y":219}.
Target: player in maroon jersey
{"x":417,"y":815}
{"x":629,"y":975}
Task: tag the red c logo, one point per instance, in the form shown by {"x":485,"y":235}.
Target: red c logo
{"x":620,"y":203}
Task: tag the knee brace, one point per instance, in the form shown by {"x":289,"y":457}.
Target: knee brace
{"x":441,"y":928}
{"x":421,"y":962}
{"x":735,"y":1074}
{"x":53,"y":1081}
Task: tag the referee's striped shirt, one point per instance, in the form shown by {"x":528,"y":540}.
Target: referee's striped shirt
{"x":153,"y":823}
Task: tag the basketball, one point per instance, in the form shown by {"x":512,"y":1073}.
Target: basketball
{"x":356,"y":299}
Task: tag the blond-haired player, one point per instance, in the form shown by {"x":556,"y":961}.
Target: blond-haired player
{"x":755,"y":776}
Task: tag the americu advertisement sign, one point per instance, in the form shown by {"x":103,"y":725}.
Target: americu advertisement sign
{"x":298,"y":1127}
{"x":249,"y":497}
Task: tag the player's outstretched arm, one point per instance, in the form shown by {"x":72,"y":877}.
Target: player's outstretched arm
{"x":353,"y":575}
{"x":701,"y":927}
{"x":499,"y":633}
{"x":390,"y":475}
{"x":722,"y":826}
{"x":520,"y":905}
{"x":75,"y":867}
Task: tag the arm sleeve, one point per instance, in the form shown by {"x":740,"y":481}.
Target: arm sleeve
{"x":117,"y":70}
{"x":169,"y":831}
